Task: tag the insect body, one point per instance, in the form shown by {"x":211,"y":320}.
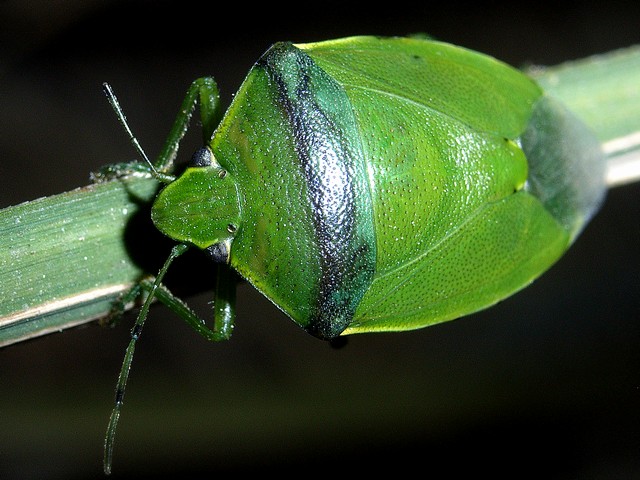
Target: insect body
{"x":384,"y":184}
{"x":378,"y":184}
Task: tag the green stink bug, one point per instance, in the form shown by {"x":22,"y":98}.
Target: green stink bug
{"x":373,"y":184}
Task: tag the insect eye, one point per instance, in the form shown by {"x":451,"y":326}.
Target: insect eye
{"x":201,"y":158}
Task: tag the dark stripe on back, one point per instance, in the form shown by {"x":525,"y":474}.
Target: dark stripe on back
{"x":328,"y":147}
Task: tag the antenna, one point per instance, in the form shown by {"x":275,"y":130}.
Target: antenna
{"x":113,"y":100}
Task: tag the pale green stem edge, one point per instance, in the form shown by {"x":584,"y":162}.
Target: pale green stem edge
{"x":64,"y":259}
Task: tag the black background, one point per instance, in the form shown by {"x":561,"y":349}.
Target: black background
{"x":545,"y":384}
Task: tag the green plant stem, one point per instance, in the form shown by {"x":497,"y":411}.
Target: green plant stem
{"x":65,"y":258}
{"x":604,"y":92}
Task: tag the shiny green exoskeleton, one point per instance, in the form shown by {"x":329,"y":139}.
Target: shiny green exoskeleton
{"x":386,"y":184}
{"x":378,"y":184}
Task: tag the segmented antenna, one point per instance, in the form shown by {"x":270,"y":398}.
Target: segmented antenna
{"x":113,"y":100}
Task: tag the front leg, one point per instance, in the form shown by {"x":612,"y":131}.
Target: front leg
{"x":204,"y":91}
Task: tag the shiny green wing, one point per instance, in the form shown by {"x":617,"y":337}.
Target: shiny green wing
{"x":449,"y":146}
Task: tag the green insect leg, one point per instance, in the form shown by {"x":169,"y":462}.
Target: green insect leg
{"x":223,"y":306}
{"x":120,"y":305}
{"x":224,"y":314}
{"x":128,"y":357}
{"x":204,"y":91}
